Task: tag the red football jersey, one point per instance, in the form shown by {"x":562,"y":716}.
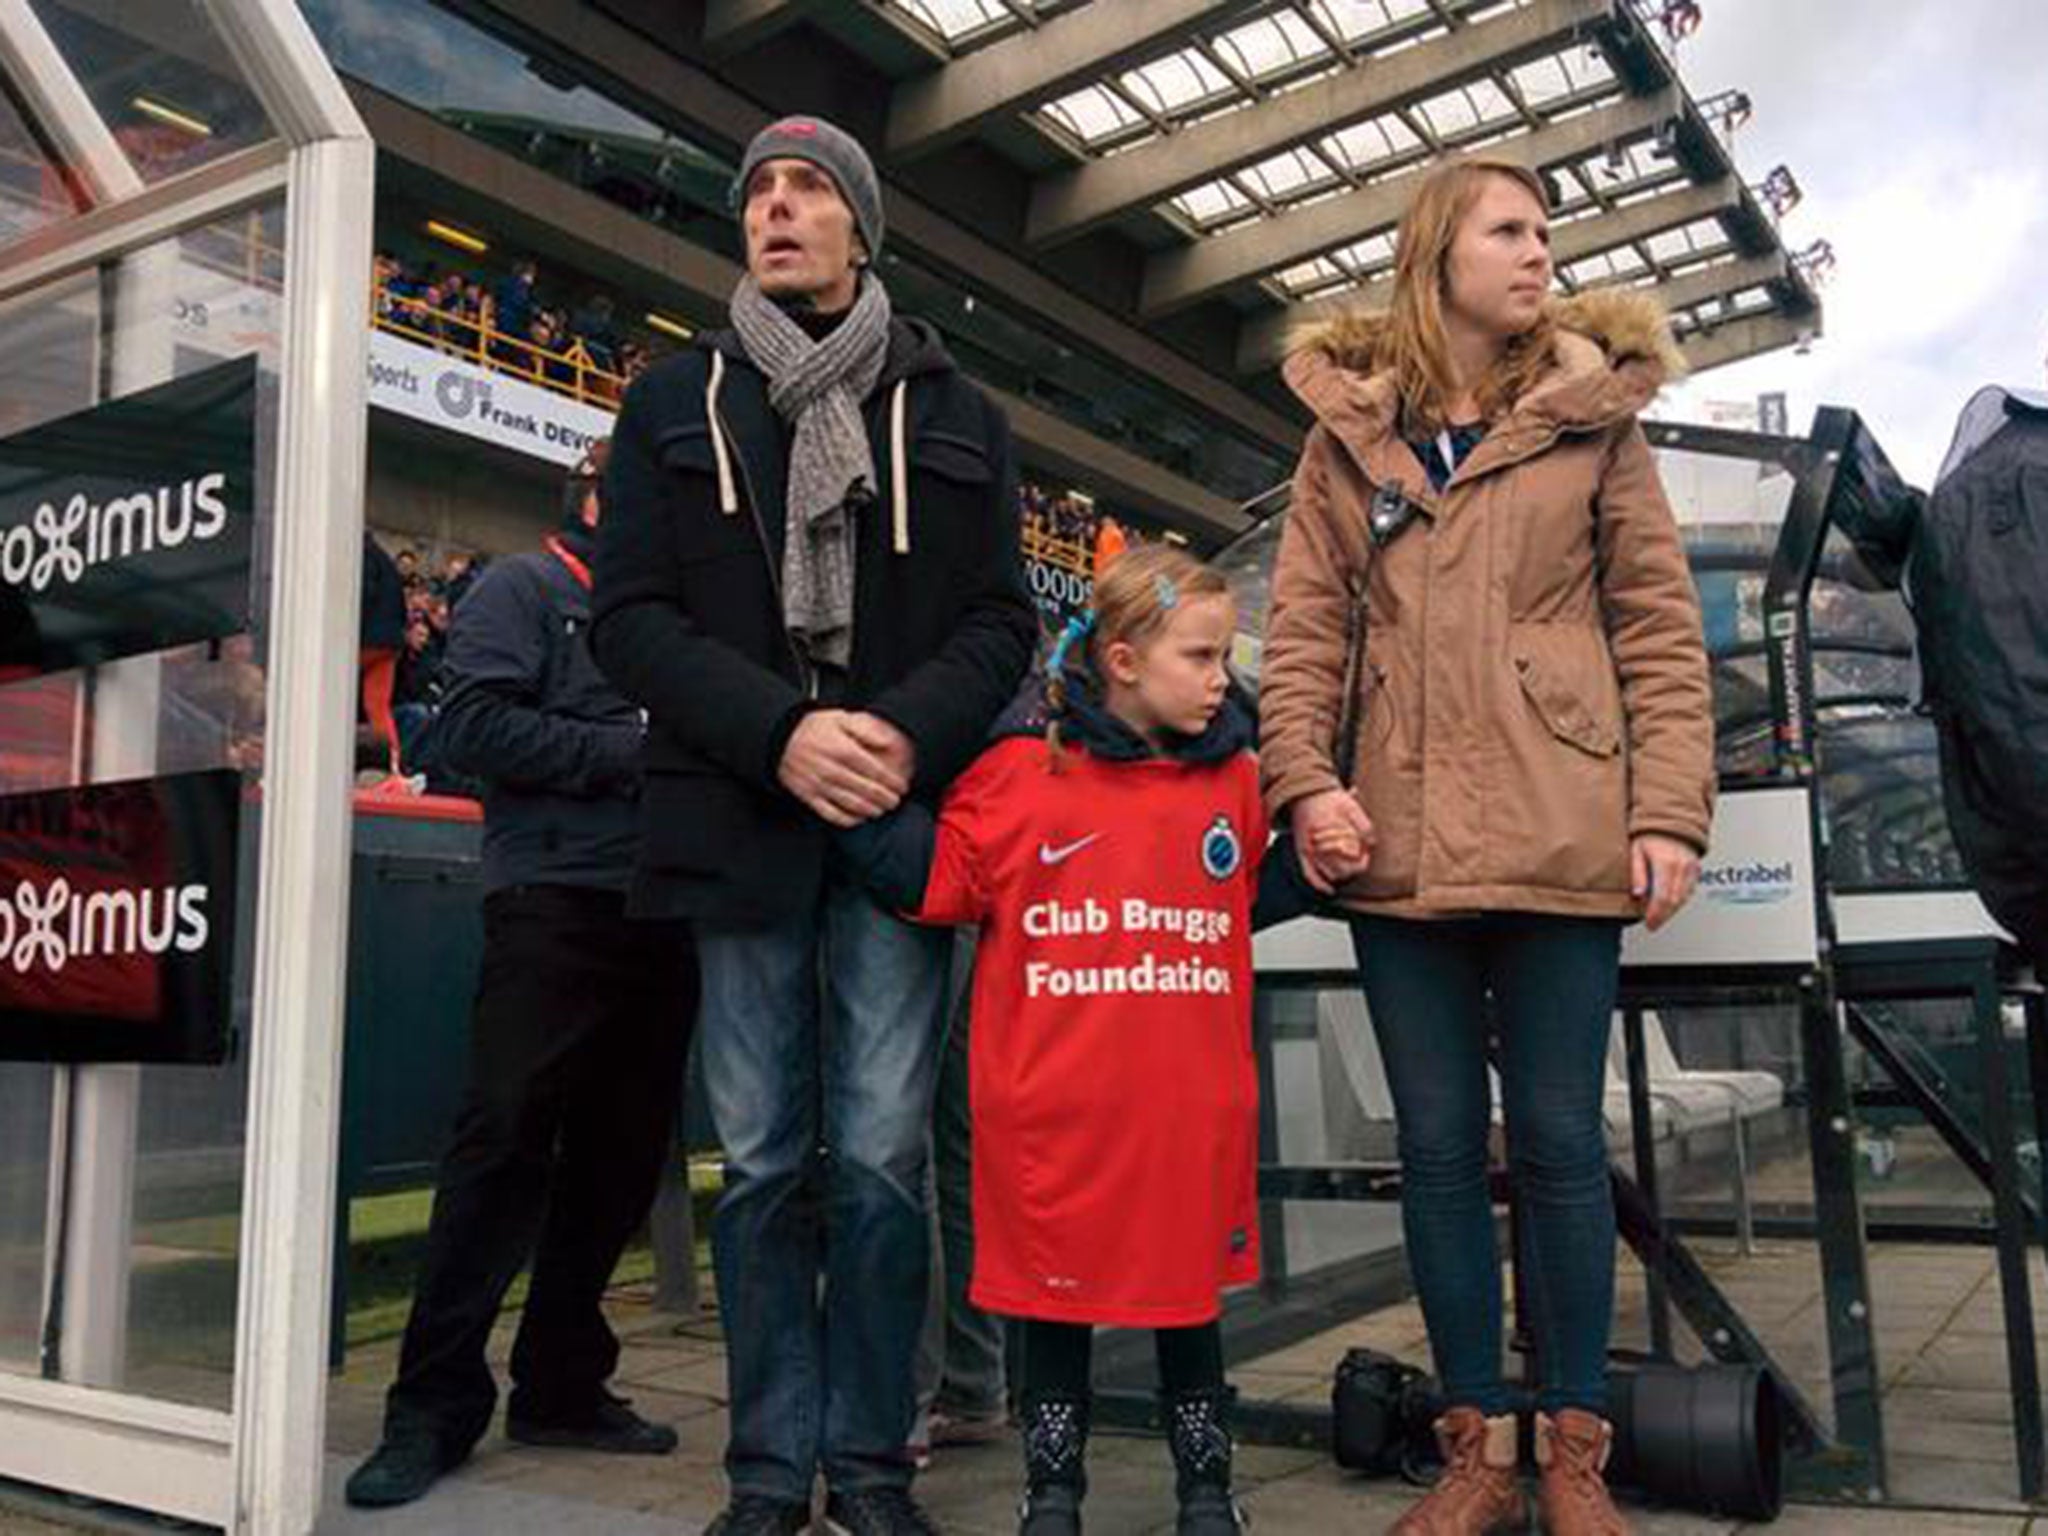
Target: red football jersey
{"x":1112,"y":1084}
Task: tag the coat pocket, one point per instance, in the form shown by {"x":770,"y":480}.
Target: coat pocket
{"x":689,"y":460}
{"x":1562,"y":709}
{"x":960,"y":460}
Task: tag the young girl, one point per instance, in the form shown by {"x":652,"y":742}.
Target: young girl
{"x":1534,"y":769}
{"x":1107,"y":847}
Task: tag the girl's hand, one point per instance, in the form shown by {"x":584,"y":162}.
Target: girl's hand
{"x":1334,"y":836}
{"x":1665,"y":870}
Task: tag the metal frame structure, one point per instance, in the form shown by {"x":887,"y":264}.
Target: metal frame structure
{"x":1260,"y":153}
{"x":1164,"y":187}
{"x":256,"y":1468}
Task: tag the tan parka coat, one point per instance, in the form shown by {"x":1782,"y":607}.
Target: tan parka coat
{"x":1535,"y":690}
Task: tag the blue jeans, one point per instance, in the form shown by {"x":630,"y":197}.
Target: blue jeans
{"x":820,"y":1041}
{"x":1553,"y":982}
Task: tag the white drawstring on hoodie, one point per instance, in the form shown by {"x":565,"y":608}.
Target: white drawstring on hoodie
{"x":899,"y":457}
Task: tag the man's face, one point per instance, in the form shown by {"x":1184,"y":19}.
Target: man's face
{"x":801,"y":241}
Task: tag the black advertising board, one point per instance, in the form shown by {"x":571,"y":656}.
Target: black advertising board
{"x":126,"y":528}
{"x":117,"y":920}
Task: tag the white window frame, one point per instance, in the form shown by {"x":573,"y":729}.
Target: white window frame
{"x":257,"y":1468}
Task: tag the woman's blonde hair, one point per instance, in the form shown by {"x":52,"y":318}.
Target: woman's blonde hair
{"x":1412,"y":347}
{"x":1135,"y":595}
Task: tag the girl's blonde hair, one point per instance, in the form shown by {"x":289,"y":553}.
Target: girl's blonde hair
{"x":1412,"y":346}
{"x":1135,"y":595}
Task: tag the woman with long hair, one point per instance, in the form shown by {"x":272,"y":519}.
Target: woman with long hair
{"x":1532,"y":770}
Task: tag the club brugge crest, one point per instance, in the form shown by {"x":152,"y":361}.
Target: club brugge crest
{"x":1221,"y":851}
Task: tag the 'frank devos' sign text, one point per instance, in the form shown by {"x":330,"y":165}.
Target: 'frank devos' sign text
{"x":126,"y":528}
{"x":459,"y":396}
{"x":117,"y":920}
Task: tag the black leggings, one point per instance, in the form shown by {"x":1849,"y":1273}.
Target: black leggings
{"x":1055,"y":1357}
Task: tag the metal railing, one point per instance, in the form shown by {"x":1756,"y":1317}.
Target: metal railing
{"x":570,"y":371}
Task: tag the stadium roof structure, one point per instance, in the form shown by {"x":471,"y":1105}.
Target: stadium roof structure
{"x":1252,"y":158}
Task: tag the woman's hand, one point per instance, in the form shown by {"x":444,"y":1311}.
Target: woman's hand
{"x":1334,"y":836}
{"x":1665,"y":870}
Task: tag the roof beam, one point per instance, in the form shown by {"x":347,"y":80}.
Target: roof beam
{"x":1057,"y":446}
{"x":1262,"y":341}
{"x":1069,"y":203}
{"x":734,"y":26}
{"x":1177,"y":278}
{"x":1719,"y":280}
{"x":1749,"y":337}
{"x":1014,"y":75}
{"x":617,"y":56}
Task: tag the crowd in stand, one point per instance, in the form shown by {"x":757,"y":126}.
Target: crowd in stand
{"x":508,"y":323}
{"x":1061,"y":515}
{"x":429,"y":599}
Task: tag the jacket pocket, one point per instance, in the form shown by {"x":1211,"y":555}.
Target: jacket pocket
{"x":951,"y":482}
{"x":702,"y":532}
{"x":1563,"y":711}
{"x":952,"y":457}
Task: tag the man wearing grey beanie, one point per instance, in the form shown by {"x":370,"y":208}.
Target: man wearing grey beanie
{"x":809,"y":579}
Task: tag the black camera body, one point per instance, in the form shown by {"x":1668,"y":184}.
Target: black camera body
{"x":1381,"y":1414}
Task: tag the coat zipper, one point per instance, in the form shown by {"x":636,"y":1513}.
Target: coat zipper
{"x":806,"y":674}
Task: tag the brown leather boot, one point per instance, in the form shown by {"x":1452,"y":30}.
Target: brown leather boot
{"x":1571,"y":1496}
{"x":1479,"y":1493}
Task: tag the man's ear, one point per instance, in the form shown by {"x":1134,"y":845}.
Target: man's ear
{"x":860,"y":251}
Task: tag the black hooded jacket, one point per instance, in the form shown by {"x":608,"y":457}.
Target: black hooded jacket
{"x":528,"y":713}
{"x":688,"y":609}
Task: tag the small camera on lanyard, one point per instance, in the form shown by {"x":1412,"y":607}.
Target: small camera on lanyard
{"x":1389,"y":512}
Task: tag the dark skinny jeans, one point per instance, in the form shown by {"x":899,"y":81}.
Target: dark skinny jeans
{"x":1553,"y":981}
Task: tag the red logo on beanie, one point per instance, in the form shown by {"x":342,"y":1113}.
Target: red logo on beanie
{"x":796,"y":127}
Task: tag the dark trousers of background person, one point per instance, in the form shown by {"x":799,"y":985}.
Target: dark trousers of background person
{"x":1553,"y":983}
{"x":960,"y":1356}
{"x":576,"y":1047}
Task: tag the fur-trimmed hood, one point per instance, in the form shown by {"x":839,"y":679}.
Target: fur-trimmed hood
{"x":1614,"y":351}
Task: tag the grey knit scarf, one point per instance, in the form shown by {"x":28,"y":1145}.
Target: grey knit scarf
{"x":818,"y":387}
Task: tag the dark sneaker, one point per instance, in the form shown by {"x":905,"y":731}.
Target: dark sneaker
{"x":398,"y":1471}
{"x":612,"y":1427}
{"x":751,"y":1515}
{"x":877,"y":1512}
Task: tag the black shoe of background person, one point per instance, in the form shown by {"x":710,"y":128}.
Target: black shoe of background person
{"x":877,"y":1512}
{"x":749,"y":1514}
{"x":401,"y":1469}
{"x":611,"y":1427}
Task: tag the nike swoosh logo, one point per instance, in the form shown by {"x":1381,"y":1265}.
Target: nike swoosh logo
{"x":1047,"y":854}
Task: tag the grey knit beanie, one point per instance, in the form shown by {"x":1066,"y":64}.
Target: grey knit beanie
{"x":835,"y":152}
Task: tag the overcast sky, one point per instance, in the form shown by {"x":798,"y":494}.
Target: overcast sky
{"x":1918,"y":130}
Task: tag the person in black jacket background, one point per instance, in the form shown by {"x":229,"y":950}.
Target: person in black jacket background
{"x":809,"y":577}
{"x":577,"y":1044}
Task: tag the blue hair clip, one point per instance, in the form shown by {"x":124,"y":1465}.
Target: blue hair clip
{"x":1078,"y":629}
{"x":1164,"y":589}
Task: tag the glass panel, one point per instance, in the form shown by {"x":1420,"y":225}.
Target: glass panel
{"x":161,"y":79}
{"x":166,"y":313}
{"x":32,"y":192}
{"x":24,"y":1187}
